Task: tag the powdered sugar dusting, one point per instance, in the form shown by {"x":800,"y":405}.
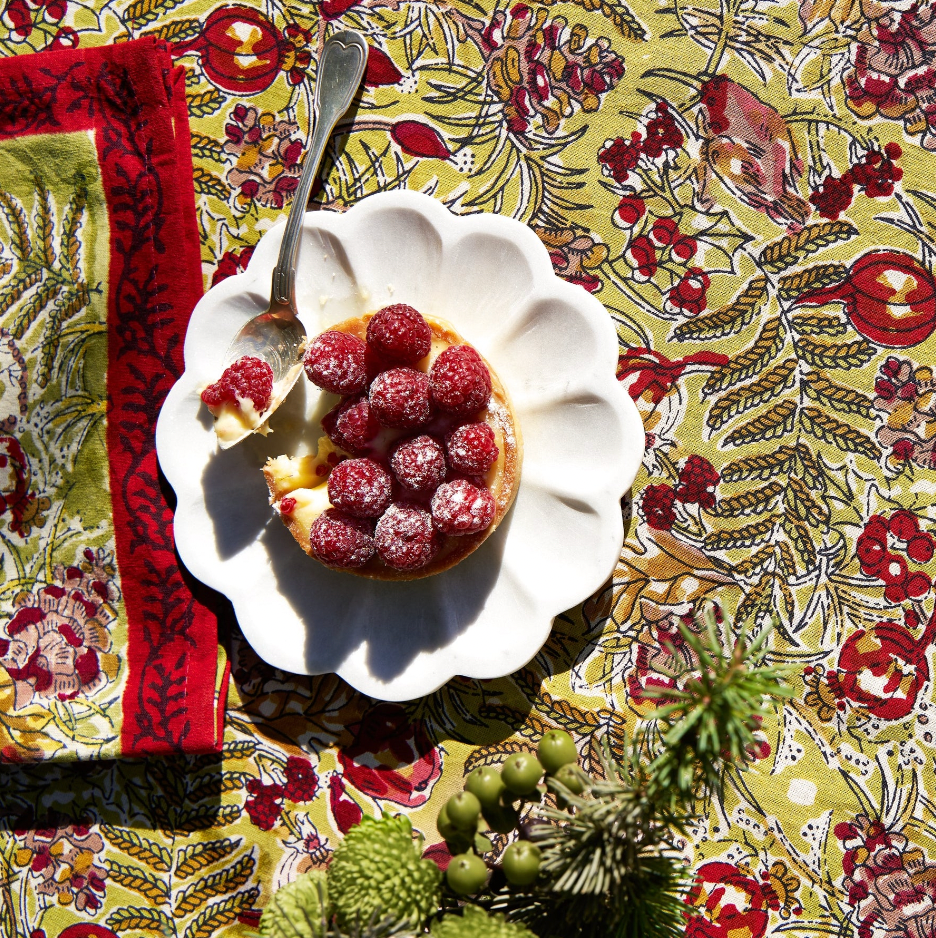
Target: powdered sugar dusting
{"x":406,"y":538}
{"x":459,"y":507}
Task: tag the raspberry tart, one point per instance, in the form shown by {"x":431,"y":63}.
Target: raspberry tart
{"x":420,"y":455}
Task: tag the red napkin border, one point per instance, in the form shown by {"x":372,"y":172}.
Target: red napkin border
{"x":134,"y":99}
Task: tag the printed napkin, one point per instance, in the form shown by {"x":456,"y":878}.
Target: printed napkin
{"x":104,"y":648}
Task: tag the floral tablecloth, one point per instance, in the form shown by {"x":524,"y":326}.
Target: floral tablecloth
{"x":746,"y":186}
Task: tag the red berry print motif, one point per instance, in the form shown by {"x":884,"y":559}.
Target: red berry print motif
{"x":886,"y":548}
{"x":695,"y":486}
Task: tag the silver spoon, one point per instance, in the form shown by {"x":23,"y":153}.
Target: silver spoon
{"x":277,"y":335}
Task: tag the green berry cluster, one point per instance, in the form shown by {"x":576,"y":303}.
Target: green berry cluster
{"x":490,"y":802}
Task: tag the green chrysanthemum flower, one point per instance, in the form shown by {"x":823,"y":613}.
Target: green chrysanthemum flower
{"x":376,"y":873}
{"x":475,"y":923}
{"x":298,"y":909}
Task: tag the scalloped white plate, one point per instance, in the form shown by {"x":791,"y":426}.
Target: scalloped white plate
{"x":555,"y":349}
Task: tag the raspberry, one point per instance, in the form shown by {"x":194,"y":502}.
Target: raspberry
{"x":335,"y":362}
{"x":399,"y":398}
{"x":359,"y":487}
{"x":340,"y":540}
{"x":658,"y":505}
{"x":406,"y":539}
{"x":351,"y":425}
{"x":248,"y":378}
{"x":287,"y":506}
{"x":920,"y":548}
{"x":419,"y":464}
{"x":301,"y":780}
{"x":460,"y":381}
{"x":471,"y":449}
{"x":458,"y":507}
{"x":903,"y":525}
{"x":400,"y":333}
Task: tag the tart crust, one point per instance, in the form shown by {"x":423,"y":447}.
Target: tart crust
{"x":305,"y":478}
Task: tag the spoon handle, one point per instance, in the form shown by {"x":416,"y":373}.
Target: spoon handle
{"x":339,"y":73}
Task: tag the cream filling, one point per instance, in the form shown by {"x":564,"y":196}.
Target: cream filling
{"x":310,"y":503}
{"x":233,"y":422}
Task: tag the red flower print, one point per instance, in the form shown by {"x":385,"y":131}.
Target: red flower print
{"x":727,"y":902}
{"x":380,"y":69}
{"x":346,"y":812}
{"x":419,"y":139}
{"x":64,"y":859}
{"x":888,"y":879}
{"x":651,"y":374}
{"x":883,"y":668}
{"x":391,"y":758}
{"x":889,"y":296}
{"x":537,"y":67}
{"x":231,"y":263}
{"x":239,"y":49}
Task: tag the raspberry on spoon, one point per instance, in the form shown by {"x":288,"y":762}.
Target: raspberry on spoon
{"x":360,"y":487}
{"x":399,"y":333}
{"x":419,"y":464}
{"x":335,"y":362}
{"x":471,"y":448}
{"x":406,"y":538}
{"x":459,"y":507}
{"x":340,"y":540}
{"x":399,"y":398}
{"x":247,"y":379}
{"x":460,"y":381}
{"x":351,"y":425}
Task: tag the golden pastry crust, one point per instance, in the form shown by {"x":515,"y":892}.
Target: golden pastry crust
{"x":286,"y":476}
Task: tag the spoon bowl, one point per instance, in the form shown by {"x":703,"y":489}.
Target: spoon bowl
{"x":276,"y":335}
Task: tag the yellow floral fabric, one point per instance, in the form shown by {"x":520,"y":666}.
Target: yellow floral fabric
{"x":747,"y":188}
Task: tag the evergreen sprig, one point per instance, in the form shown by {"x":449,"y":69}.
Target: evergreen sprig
{"x":709,"y":716}
{"x":609,"y":867}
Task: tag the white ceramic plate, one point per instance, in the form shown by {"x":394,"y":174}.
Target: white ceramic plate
{"x":555,"y":349}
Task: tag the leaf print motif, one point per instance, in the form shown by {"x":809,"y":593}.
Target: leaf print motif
{"x":744,"y":398}
{"x":746,"y":364}
{"x":194,"y":857}
{"x":792,"y":249}
{"x":827,"y":428}
{"x":773,"y":423}
{"x":751,"y":502}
